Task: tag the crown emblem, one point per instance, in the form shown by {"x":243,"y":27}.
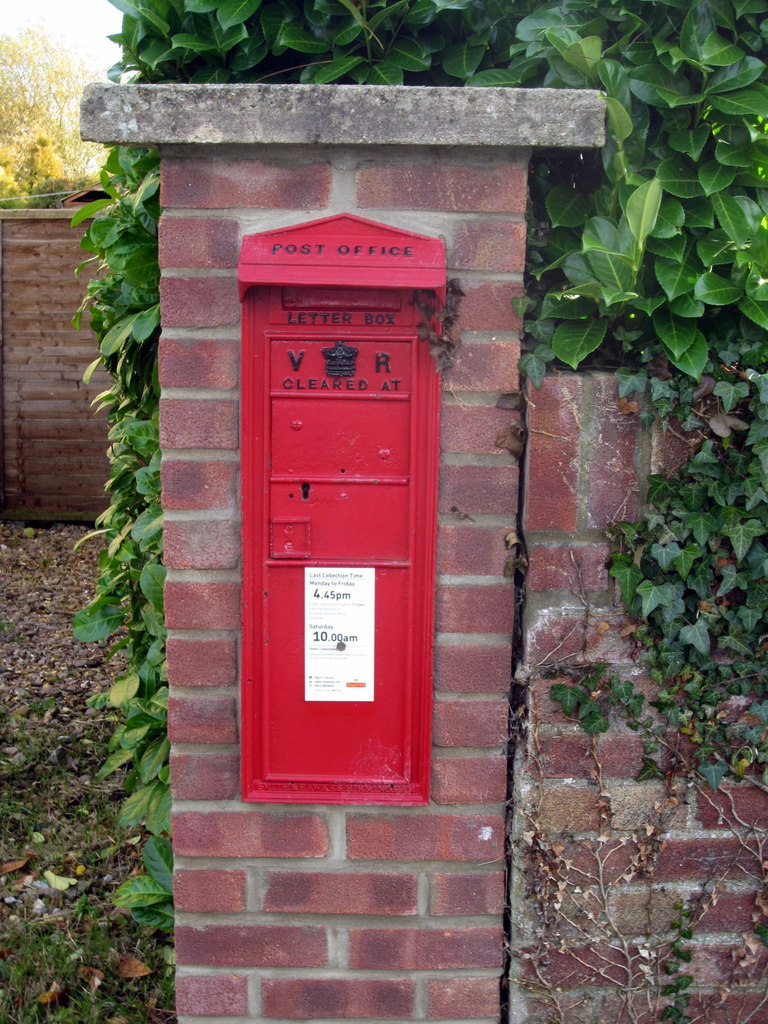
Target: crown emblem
{"x":340,"y":361}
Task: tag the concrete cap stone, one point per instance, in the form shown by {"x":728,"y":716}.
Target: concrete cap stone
{"x":151,"y":115}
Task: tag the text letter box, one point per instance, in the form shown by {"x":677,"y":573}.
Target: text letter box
{"x":340,"y":407}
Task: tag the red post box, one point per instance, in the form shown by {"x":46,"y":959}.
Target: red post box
{"x":340,"y":416}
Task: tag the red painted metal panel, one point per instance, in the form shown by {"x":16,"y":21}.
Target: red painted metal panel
{"x":340,"y":454}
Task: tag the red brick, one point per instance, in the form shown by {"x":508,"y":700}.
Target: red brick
{"x":578,"y":569}
{"x":621,"y":757}
{"x":468,"y":893}
{"x":205,"y":776}
{"x":217,"y":995}
{"x":202,"y":605}
{"x":732,"y":912}
{"x":704,"y":859}
{"x":202,"y":662}
{"x":472,"y":550}
{"x":485,"y":188}
{"x":315,"y":893}
{"x":566,"y":757}
{"x":313,"y":998}
{"x":201,"y":544}
{"x":201,"y":719}
{"x":404,"y":837}
{"x":471,"y":723}
{"x":425,"y":949}
{"x":489,"y":245}
{"x":209,"y":892}
{"x":255,"y":945}
{"x":729,"y":1007}
{"x":198,"y":241}
{"x":469,"y":780}
{"x":249,"y":834}
{"x":567,"y":809}
{"x":189,"y":423}
{"x":209,"y":183}
{"x":473,"y":490}
{"x":198,"y":485}
{"x":473,"y":428}
{"x":490,"y":307}
{"x":490,"y":366}
{"x":453,"y":998}
{"x":485,"y":608}
{"x":198,"y":363}
{"x":711,"y":965}
{"x":553,"y":454}
{"x":720,"y":810}
{"x":672,"y":447}
{"x":199,"y":301}
{"x":613,"y":480}
{"x":589,"y":965}
{"x":473,"y":668}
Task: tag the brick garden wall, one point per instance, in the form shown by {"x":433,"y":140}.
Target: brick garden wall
{"x":338,"y":912}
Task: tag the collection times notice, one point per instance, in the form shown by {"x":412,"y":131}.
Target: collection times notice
{"x":339,"y":618}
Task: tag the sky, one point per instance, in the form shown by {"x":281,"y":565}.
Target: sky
{"x":85,"y":24}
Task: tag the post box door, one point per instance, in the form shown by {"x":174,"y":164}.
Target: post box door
{"x":340,"y":431}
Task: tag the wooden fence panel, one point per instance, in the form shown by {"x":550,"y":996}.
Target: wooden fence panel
{"x":53,"y":451}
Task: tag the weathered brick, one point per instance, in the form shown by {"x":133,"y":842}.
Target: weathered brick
{"x":209,"y":891}
{"x":469,"y":780}
{"x":249,"y":834}
{"x":639,"y":803}
{"x":453,"y":837}
{"x":201,"y":544}
{"x":476,"y":609}
{"x":488,"y":245}
{"x":566,"y":809}
{"x":621,"y":757}
{"x":198,"y":363}
{"x":215,"y":995}
{"x":209,"y":183}
{"x":613,"y":480}
{"x":470,"y":723}
{"x":473,"y":668}
{"x":563,"y":635}
{"x":472,"y":550}
{"x":468,"y":893}
{"x":490,"y":366}
{"x":198,"y":241}
{"x":201,"y":719}
{"x":473,"y":428}
{"x":425,"y":949}
{"x":347,"y":893}
{"x":205,"y":776}
{"x":578,"y":569}
{"x":313,"y":998}
{"x":719,"y":810}
{"x":210,"y":662}
{"x":553,"y":459}
{"x":566,"y":756}
{"x":187,"y":423}
{"x":704,"y":858}
{"x":202,"y":605}
{"x":472,"y":490}
{"x":199,"y":301}
{"x":440,"y":185}
{"x":198,"y":485}
{"x":457,"y":997}
{"x":251,"y":945}
{"x":490,"y":307}
{"x":672,"y":447}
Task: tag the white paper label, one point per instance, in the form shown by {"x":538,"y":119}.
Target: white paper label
{"x":339,"y":607}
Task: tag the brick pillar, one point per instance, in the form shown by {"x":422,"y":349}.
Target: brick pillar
{"x":340,"y":912}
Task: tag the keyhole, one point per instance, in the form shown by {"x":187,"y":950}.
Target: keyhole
{"x":305,"y":491}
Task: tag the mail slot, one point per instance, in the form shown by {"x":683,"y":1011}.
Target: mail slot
{"x":340,"y":411}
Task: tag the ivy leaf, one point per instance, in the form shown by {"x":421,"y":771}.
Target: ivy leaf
{"x":731,"y":393}
{"x":741,"y":535}
{"x":574,"y":340}
{"x":697,"y":636}
{"x":568,"y":697}
{"x":628,"y":576}
{"x":713,"y":774}
{"x":686,"y":560}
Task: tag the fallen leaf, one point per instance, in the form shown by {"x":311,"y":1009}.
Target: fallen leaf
{"x":511,"y":539}
{"x":510,"y":400}
{"x":54,"y":994}
{"x":92,"y":975}
{"x":130,"y":967}
{"x":627,"y":407}
{"x":12,"y":865}
{"x":602,"y":627}
{"x":59,"y":882}
{"x":512,"y":439}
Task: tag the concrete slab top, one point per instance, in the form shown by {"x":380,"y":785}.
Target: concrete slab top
{"x":342,"y":115}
